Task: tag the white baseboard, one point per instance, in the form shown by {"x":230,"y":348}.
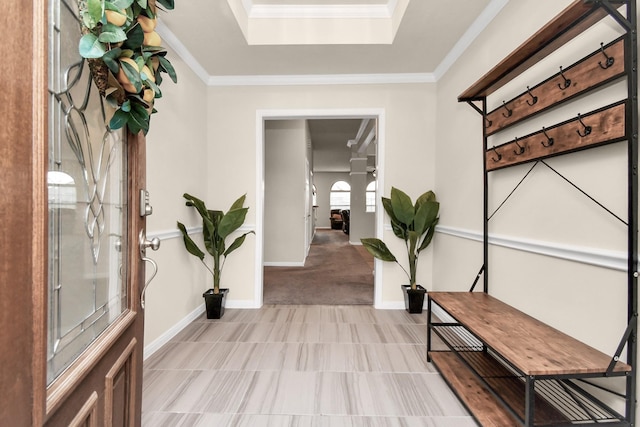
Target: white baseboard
{"x":283,"y":264}
{"x":172,"y":332}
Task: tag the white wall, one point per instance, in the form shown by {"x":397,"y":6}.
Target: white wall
{"x":410,"y":129}
{"x":176,"y":163}
{"x":285,"y":203}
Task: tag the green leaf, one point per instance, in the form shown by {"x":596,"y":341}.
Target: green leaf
{"x":168,"y":4}
{"x":138,"y":119}
{"x":118,"y":120}
{"x":425,"y":216}
{"x":121,"y":4}
{"x":189,"y":244}
{"x":110,"y":58}
{"x":112,"y":34}
{"x":231,"y":221}
{"x":399,"y":229}
{"x":166,"y":66}
{"x":126,"y":106}
{"x":378,"y":249}
{"x":238,"y":203}
{"x":237,"y":243}
{"x":142,"y":3}
{"x":196,"y":203}
{"x":135,"y":37}
{"x":402,"y":206}
{"x":95,"y":8}
{"x":132,"y":74}
{"x":429,"y":236}
{"x":90,"y":47}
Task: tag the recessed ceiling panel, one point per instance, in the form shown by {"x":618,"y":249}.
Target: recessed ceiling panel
{"x":318,"y":23}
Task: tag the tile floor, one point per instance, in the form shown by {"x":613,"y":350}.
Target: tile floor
{"x":315,"y":366}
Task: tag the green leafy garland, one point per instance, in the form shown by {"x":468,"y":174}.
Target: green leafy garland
{"x":125,"y":56}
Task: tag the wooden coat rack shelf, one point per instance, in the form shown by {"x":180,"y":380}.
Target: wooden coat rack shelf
{"x":507,"y":367}
{"x":603,"y":126}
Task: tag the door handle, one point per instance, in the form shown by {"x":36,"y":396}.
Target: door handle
{"x":145,"y":243}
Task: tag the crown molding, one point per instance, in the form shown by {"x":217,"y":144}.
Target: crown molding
{"x":476,"y":28}
{"x":321,"y":79}
{"x":487,"y":15}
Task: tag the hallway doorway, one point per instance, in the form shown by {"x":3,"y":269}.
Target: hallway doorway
{"x":265,"y":225}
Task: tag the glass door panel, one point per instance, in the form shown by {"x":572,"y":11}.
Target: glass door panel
{"x":87,"y":184}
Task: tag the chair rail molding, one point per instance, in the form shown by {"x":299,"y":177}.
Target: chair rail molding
{"x":612,"y":260}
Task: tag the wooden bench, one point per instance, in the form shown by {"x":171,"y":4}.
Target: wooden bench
{"x":525,"y":368}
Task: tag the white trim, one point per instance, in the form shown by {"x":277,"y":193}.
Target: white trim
{"x":261,"y":116}
{"x":614,"y":260}
{"x":181,"y":50}
{"x":283,"y":264}
{"x":474,"y":30}
{"x":176,"y":234}
{"x":172,"y":332}
{"x":321,"y":79}
{"x":336,"y":11}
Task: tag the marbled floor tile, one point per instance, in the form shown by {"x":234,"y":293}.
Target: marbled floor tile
{"x":397,"y":358}
{"x":170,"y":419}
{"x":156,"y":385}
{"x":354,"y":314}
{"x":256,"y":332}
{"x":294,"y":332}
{"x":179,"y":355}
{"x":192,"y":332}
{"x":346,"y":357}
{"x":234,"y":315}
{"x":404,"y":334}
{"x":283,"y":356}
{"x":216,"y":356}
{"x":358,"y":421}
{"x":209,"y":391}
{"x":243,"y":357}
{"x":210,"y":331}
{"x":281,"y":392}
{"x":385,"y":394}
{"x":399,"y":317}
{"x":259,"y":420}
{"x":432,"y":388}
{"x":351,"y":333}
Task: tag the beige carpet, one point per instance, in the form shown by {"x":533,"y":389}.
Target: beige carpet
{"x":335,"y":273}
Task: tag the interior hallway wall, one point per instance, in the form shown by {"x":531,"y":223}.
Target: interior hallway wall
{"x":176,"y":164}
{"x":285,"y":202}
{"x":410,"y":131}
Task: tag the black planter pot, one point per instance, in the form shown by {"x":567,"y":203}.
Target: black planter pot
{"x":215,"y":303}
{"x":413,"y":298}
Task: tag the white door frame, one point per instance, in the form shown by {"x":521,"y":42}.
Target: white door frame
{"x":297,"y":114}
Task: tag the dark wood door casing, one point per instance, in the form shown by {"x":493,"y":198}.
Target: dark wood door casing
{"x":23,"y":139}
{"x":111,"y":388}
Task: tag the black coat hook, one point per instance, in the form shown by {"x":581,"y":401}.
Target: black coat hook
{"x":509,"y":112}
{"x":534,"y":98}
{"x":610,"y":59}
{"x":587,"y":129}
{"x":488,"y":122}
{"x":549,"y":139}
{"x":567,"y":82}
{"x":520,"y":148}
{"x":498,"y":154}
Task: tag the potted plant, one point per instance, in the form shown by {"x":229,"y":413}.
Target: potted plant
{"x":216,"y":227}
{"x":415,"y":224}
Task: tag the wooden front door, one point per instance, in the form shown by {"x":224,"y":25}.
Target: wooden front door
{"x":71,"y":269}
